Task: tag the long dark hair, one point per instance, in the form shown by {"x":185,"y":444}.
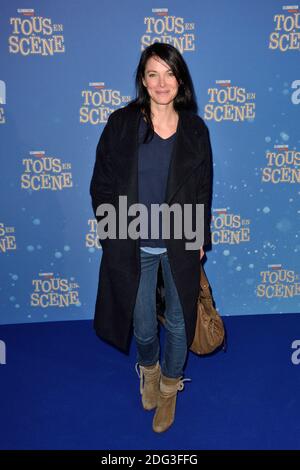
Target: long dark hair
{"x":185,"y":99}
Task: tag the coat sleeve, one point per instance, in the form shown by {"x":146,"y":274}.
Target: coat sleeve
{"x":102,"y":182}
{"x":204,"y":187}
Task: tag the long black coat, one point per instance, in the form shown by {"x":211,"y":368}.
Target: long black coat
{"x":116,"y":173}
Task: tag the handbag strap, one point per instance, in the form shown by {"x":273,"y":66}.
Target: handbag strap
{"x":203,"y":278}
{"x":204,"y":284}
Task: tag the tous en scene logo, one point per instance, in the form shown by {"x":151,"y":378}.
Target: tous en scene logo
{"x":229,"y":103}
{"x":168,"y":29}
{"x":91,"y":238}
{"x":283,"y":166}
{"x":99,"y":102}
{"x":229,"y":228}
{"x":35,"y":35}
{"x":278,"y":282}
{"x":41,"y":172}
{"x":51,"y":291}
{"x":7,"y":238}
{"x":286,"y":36}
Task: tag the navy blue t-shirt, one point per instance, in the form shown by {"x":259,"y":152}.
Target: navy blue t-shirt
{"x":153,"y":167}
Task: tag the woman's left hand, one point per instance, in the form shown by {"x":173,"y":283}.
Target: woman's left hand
{"x":201,"y":253}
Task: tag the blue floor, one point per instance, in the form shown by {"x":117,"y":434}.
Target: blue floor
{"x":63,"y":388}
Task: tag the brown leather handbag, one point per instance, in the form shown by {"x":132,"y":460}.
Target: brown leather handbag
{"x":209,"y":331}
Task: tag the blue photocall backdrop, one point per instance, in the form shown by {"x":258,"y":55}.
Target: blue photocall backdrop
{"x":65,"y":66}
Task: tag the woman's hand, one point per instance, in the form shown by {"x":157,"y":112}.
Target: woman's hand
{"x":201,"y":252}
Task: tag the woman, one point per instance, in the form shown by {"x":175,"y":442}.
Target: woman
{"x":154,"y":150}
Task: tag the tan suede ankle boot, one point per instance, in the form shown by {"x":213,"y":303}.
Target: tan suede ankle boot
{"x":149,"y":385}
{"x":165,"y":411}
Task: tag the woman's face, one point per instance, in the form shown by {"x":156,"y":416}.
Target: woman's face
{"x":161,"y":83}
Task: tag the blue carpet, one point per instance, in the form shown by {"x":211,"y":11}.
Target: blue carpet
{"x":63,"y":388}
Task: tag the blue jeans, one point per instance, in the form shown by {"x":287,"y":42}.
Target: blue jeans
{"x":145,"y":325}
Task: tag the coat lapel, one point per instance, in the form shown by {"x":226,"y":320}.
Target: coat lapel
{"x":186,"y":155}
{"x":127,"y":156}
